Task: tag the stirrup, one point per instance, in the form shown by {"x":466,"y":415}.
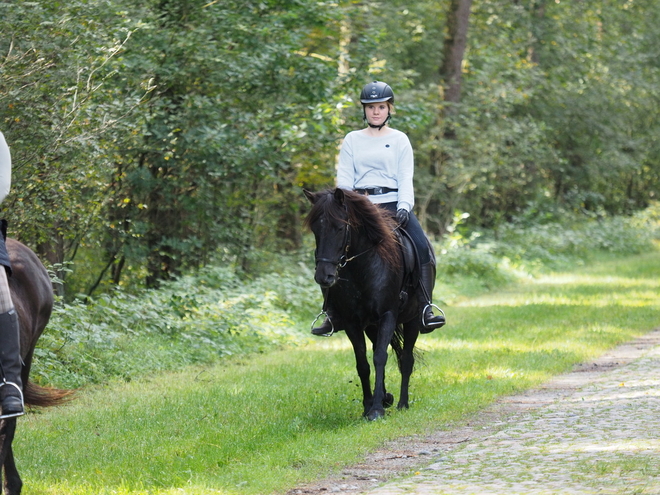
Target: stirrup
{"x":332,"y":330}
{"x":431,"y":305}
{"x":20,"y":393}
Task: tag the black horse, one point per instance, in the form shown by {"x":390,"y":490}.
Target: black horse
{"x":32,"y":294}
{"x":360,"y":268}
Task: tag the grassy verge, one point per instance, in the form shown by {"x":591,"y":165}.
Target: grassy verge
{"x":262,"y":423}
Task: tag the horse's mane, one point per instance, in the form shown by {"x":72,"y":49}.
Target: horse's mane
{"x":377,"y":224}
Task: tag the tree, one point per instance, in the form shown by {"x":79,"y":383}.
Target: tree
{"x":212,"y":149}
{"x":54,"y":65}
{"x":154,"y":138}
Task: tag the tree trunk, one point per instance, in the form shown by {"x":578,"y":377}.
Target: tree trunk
{"x":538,"y":13}
{"x":437,"y":207}
{"x":53,"y":252}
{"x":458,"y":19}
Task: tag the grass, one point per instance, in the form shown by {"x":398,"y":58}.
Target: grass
{"x":264,"y":423}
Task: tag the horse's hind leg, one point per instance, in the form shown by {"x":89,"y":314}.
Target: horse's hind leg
{"x":13,"y":483}
{"x":407,"y":360}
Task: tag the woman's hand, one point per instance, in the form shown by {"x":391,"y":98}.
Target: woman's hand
{"x":402,"y":216}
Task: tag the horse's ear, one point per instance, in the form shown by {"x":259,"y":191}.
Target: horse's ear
{"x":339,"y":195}
{"x":310,"y":196}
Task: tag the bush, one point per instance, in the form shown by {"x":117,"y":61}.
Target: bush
{"x":555,"y":245}
{"x":497,"y":257}
{"x":195,"y":319}
{"x":472,"y":262}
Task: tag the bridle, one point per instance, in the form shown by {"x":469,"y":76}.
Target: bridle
{"x":344,"y":259}
{"x":341,"y":262}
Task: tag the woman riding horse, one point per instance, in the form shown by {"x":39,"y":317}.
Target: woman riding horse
{"x":378,"y":162}
{"x":11,"y":387}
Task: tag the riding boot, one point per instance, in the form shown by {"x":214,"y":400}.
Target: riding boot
{"x":11,"y":386}
{"x":326,"y":328}
{"x":429,"y":320}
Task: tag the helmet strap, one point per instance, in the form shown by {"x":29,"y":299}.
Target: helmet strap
{"x":379,"y":127}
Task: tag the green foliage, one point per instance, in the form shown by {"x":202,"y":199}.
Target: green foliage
{"x":204,"y":317}
{"x":151,"y":138}
{"x":495,"y":258}
{"x":473,"y":263}
{"x":555,"y":244}
{"x":195,"y":319}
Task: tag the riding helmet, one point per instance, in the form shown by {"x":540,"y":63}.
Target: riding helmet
{"x":376,"y":92}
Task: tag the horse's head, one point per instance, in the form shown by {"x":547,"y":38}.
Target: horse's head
{"x":346,"y":226}
{"x":328,"y":220}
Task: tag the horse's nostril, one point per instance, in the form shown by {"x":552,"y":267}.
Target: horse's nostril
{"x":326,"y":279}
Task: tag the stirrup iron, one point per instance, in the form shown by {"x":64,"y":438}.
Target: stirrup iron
{"x":431,"y":305}
{"x":332,"y":330}
{"x":3,"y":383}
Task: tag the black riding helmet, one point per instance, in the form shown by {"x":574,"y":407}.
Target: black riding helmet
{"x":376,"y":92}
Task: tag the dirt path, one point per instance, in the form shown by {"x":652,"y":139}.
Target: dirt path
{"x":594,"y":430}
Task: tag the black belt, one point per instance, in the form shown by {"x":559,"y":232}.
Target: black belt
{"x":375,"y":191}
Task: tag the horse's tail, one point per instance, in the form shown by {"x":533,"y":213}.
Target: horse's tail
{"x":38,"y":396}
{"x":397,"y":346}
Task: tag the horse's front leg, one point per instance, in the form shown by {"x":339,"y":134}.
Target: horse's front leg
{"x":386,"y":326}
{"x":362,"y":363}
{"x":12,"y":481}
{"x":372,"y":333}
{"x":407,"y":360}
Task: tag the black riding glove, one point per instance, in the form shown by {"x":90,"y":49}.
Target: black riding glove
{"x":402,"y":216}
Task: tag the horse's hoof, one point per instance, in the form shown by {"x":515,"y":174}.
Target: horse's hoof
{"x":388,"y":400}
{"x":402,"y":405}
{"x":375,"y":414}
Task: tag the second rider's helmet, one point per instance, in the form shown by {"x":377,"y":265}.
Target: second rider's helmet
{"x":375,"y":92}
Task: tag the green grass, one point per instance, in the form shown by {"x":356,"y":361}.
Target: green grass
{"x":262,"y":424}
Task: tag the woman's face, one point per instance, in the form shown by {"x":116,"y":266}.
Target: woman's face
{"x":376,"y":112}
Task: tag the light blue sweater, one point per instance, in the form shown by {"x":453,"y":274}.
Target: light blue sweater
{"x":383,"y":161}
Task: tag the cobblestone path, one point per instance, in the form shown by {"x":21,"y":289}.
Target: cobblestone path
{"x":595,"y":430}
{"x":586,"y":432}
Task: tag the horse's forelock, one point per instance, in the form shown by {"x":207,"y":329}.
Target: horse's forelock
{"x":327,"y":206}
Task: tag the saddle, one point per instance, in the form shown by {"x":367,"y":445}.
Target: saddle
{"x":411,"y":266}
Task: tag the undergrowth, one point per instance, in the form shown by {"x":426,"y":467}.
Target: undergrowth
{"x":196,"y":319}
{"x":519,"y":249}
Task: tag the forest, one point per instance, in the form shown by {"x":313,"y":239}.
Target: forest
{"x":151,"y":139}
{"x":160,"y":151}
